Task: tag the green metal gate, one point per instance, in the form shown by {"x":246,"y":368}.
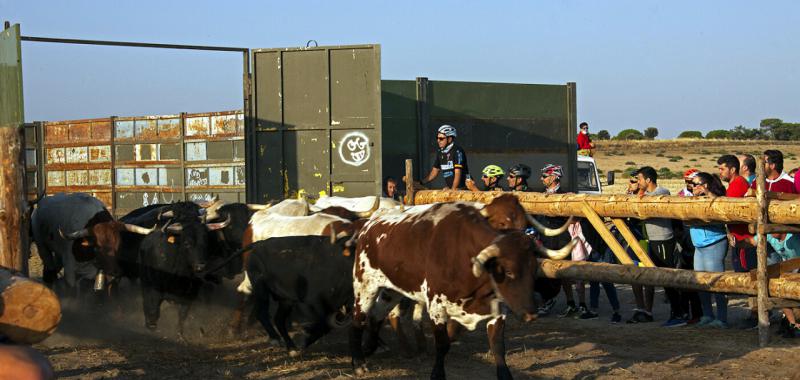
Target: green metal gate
{"x":317,"y":122}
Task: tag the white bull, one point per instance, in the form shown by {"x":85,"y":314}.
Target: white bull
{"x":356,"y":204}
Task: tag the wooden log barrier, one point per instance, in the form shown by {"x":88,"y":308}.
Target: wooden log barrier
{"x":704,"y":209}
{"x":29,"y":311}
{"x":787,"y":286}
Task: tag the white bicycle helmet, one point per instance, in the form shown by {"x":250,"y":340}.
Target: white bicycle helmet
{"x":447,"y":130}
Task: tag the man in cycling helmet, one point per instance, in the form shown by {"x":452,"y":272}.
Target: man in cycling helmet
{"x":551,"y":178}
{"x":491,"y":179}
{"x":518,"y":177}
{"x":450,"y":160}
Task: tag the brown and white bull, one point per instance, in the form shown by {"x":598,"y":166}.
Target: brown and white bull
{"x":451,"y":259}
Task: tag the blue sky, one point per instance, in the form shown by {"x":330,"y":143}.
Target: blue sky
{"x":676,"y":65}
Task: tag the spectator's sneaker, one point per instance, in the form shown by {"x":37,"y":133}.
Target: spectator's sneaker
{"x":640,"y":316}
{"x":704,"y":320}
{"x":546,"y":307}
{"x":693,"y":321}
{"x":674,"y":322}
{"x":588,"y":314}
{"x":717,"y":324}
{"x":616,"y":318}
{"x":568,"y":311}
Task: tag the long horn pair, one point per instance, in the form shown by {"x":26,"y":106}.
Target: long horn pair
{"x":375,"y":206}
{"x":479,"y":261}
{"x":138,"y":229}
{"x":219,"y":225}
{"x":74,"y":235}
{"x":546,"y":230}
{"x":560,"y":253}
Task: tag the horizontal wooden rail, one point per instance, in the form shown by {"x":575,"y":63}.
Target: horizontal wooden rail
{"x":703,"y":209}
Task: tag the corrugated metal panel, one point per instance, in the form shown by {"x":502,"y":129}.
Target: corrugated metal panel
{"x":78,"y":157}
{"x":131,"y":162}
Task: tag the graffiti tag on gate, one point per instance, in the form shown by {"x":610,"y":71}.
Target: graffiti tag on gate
{"x":354,"y":148}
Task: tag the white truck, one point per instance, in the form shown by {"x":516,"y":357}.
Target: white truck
{"x":589,"y":178}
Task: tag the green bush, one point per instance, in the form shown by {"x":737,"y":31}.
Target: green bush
{"x":660,"y":155}
{"x":693,"y":160}
{"x":629,"y":134}
{"x":630,"y":163}
{"x":691,"y":135}
{"x":718,"y":134}
{"x":674,"y":159}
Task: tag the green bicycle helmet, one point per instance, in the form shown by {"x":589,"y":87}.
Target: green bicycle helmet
{"x":493,"y":171}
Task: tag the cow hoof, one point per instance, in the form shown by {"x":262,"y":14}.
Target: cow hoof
{"x":361,"y":370}
{"x":151,"y":326}
{"x":294,"y":353}
{"x":273,"y":343}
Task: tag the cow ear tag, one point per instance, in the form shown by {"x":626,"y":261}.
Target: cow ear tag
{"x":84,"y":243}
{"x":346,"y":252}
{"x":171,"y":239}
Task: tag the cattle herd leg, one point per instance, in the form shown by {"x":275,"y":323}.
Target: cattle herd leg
{"x":183,"y":313}
{"x":262,"y":313}
{"x":442,"y":347}
{"x":495,"y":330}
{"x":151,"y":302}
{"x":280,"y":321}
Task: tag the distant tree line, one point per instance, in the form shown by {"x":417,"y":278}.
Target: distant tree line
{"x":769,"y":129}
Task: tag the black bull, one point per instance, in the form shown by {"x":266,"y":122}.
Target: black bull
{"x":309,"y":273}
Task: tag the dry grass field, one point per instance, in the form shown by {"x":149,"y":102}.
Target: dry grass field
{"x":679,"y":155}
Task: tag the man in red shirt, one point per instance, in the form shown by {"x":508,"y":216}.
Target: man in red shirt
{"x":585,"y":144}
{"x":742,"y":259}
{"x":777,"y":180}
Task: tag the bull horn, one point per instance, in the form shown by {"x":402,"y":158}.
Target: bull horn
{"x":484,"y":212}
{"x":333,"y":233}
{"x":74,"y":235}
{"x":479,"y":261}
{"x":549,"y":231}
{"x":138,"y":229}
{"x":255,"y":207}
{"x":166,"y":214}
{"x":203,"y":217}
{"x":175,"y":228}
{"x":375,"y":206}
{"x":220,"y":225}
{"x":558,"y":254}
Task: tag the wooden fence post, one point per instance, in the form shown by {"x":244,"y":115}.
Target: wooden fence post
{"x":409,"y":199}
{"x":762,"y":282}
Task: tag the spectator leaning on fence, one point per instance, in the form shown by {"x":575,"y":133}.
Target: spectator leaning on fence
{"x":711,"y":245}
{"x":776,"y":179}
{"x":747,"y":167}
{"x":492,"y":174}
{"x":687,"y":180}
{"x":661,"y":245}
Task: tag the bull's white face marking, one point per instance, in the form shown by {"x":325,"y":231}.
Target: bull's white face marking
{"x":354,"y":149}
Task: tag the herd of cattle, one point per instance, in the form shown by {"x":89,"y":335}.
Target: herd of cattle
{"x":340,"y":261}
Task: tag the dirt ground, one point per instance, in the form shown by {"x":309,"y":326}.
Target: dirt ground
{"x":101,"y":342}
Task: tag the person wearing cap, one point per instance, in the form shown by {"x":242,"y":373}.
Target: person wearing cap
{"x":451,"y":160}
{"x":491,"y":179}
{"x":585,"y":144}
{"x":688,"y":175}
{"x":517,"y":177}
